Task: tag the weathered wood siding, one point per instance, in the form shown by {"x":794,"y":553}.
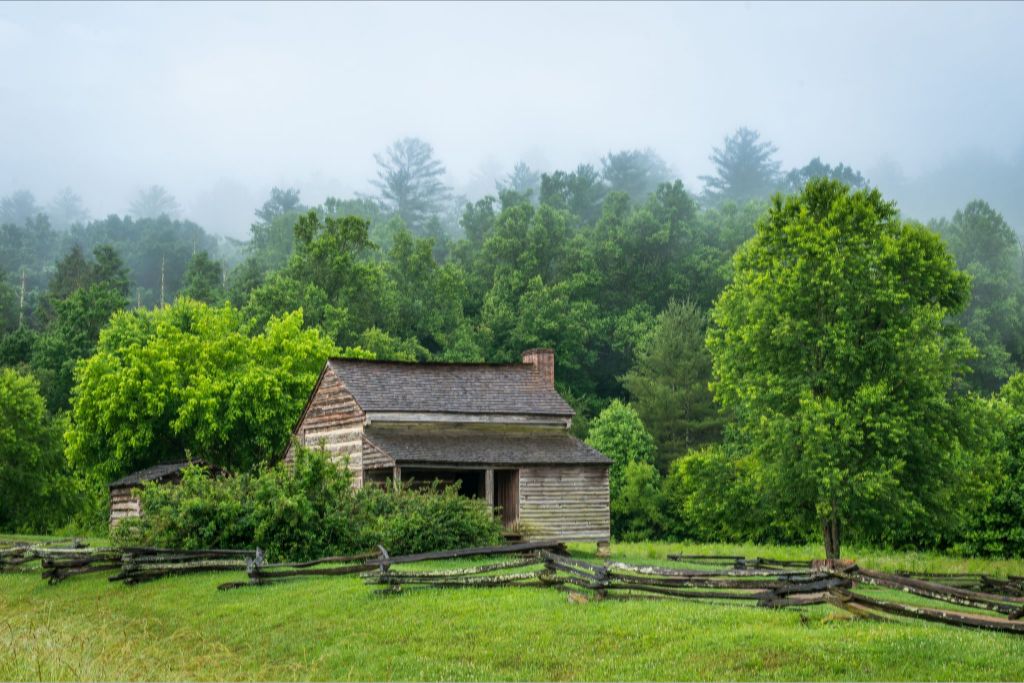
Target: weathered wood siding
{"x":565,"y":502}
{"x":374,"y":457}
{"x":123,"y":504}
{"x":333,"y":420}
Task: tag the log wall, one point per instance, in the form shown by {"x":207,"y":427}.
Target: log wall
{"x":123,"y":504}
{"x":565,"y":502}
{"x":332,"y":419}
{"x":375,"y":458}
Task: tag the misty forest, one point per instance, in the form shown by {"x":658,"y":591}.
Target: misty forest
{"x":776,"y":355}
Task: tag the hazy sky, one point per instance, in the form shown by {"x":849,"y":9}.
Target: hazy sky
{"x":220,"y":102}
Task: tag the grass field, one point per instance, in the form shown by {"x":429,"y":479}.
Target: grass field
{"x":338,"y":628}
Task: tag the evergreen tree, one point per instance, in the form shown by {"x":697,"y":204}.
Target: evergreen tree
{"x":410,"y":182}
{"x":669,"y":383}
{"x":745,"y":169}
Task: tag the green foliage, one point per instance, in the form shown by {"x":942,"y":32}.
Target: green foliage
{"x":716,"y":495}
{"x":156,"y":251}
{"x":997,"y":529}
{"x":637,"y":506}
{"x":203,"y":280}
{"x":522,"y":181}
{"x":188,"y":378}
{"x":299,"y":512}
{"x":33,"y":486}
{"x":8,"y":305}
{"x":636,"y":172}
{"x":815,"y":168}
{"x":669,"y":383}
{"x":832,"y":348}
{"x":82,"y":296}
{"x":619,"y":434}
{"x":409,"y":520}
{"x":304,"y":511}
{"x":988,"y":249}
{"x":428,"y":297}
{"x":580,"y":192}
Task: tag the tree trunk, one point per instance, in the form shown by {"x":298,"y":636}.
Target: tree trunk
{"x":830,"y":530}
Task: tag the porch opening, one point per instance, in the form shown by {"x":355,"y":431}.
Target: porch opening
{"x":506,"y":496}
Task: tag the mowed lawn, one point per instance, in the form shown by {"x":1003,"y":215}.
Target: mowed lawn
{"x":338,"y":628}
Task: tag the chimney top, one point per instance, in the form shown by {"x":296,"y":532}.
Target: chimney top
{"x":543,"y":362}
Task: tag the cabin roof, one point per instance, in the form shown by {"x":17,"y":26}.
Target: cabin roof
{"x":483,"y":445}
{"x":159,"y":473}
{"x":392,"y":386}
{"x":154,"y":473}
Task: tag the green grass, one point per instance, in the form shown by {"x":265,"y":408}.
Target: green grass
{"x":338,"y":628}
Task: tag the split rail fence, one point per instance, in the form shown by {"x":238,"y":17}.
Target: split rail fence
{"x":976,"y":600}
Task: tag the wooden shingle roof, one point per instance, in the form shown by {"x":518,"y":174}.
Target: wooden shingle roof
{"x":160,"y":473}
{"x":389,"y":386}
{"x":483,"y":446}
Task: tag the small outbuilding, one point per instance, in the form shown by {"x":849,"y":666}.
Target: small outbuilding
{"x":500,"y":430}
{"x":124,"y":499}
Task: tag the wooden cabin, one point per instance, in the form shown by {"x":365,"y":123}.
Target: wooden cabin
{"x":501,"y":431}
{"x":124,"y":499}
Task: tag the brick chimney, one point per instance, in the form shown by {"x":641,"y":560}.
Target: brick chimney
{"x":543,"y":362}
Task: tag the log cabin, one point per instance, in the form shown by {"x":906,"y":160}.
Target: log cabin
{"x":500,"y":432}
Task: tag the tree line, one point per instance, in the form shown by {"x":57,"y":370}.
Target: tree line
{"x":771,"y":358}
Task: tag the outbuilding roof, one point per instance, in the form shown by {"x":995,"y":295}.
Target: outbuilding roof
{"x":391,"y":386}
{"x":159,"y":473}
{"x":483,"y":446}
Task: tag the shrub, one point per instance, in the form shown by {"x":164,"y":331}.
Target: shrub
{"x":302,"y":512}
{"x":637,"y":509}
{"x":715,"y":495}
{"x":407,"y":521}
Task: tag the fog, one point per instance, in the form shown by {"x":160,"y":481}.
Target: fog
{"x":218,"y":103}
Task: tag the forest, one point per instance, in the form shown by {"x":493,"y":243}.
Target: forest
{"x":778,"y":356}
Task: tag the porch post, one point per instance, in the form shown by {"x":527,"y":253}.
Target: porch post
{"x":489,"y":486}
{"x":396,"y":474}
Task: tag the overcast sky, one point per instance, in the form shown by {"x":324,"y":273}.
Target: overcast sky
{"x":220,"y":102}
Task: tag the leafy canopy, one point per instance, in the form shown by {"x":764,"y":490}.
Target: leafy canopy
{"x":189,"y":379}
{"x":31,"y":464}
{"x":834,"y":349}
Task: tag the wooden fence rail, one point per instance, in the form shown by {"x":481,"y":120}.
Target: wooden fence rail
{"x":998,"y":603}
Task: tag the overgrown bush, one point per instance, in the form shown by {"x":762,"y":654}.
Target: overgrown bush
{"x":713,"y":495}
{"x":302,"y":512}
{"x":406,"y":520}
{"x":996,"y":529}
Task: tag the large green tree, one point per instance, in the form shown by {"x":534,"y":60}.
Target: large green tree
{"x":190,"y":379}
{"x":669,"y":383}
{"x":835,"y":351}
{"x":31,"y":463}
